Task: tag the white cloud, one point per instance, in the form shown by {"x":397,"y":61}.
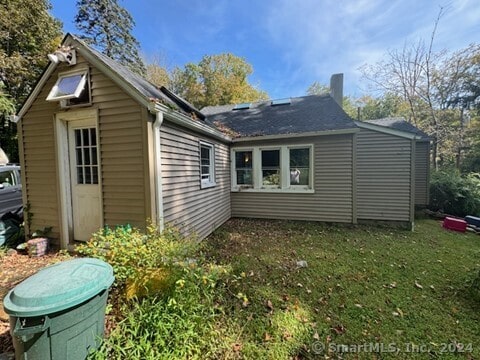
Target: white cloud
{"x":318,"y":38}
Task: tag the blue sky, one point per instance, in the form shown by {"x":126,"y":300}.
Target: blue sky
{"x":291,"y":43}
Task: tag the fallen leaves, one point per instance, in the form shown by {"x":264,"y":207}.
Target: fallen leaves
{"x":339,"y":329}
{"x":392,"y":285}
{"x":237,"y":347}
{"x":398,"y":312}
{"x":417,"y":285}
{"x":269,"y":305}
{"x":14,"y":269}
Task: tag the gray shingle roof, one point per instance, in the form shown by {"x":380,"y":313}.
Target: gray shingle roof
{"x":143,"y":86}
{"x":304,"y":114}
{"x":401,"y":124}
{"x":139,"y":83}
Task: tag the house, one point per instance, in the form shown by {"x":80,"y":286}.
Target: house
{"x":351,"y":171}
{"x":99,"y":146}
{"x":421,"y":152}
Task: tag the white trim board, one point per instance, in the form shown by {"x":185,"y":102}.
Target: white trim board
{"x":63,"y":169}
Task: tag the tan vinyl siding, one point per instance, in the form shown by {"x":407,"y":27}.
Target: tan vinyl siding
{"x":383,"y":176}
{"x":39,"y":162}
{"x":332,"y":199}
{"x":122,"y":149}
{"x":185,"y":204}
{"x":422,"y":167}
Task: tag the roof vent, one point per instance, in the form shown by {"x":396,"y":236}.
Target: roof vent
{"x":242,"y":106}
{"x":286,"y":101}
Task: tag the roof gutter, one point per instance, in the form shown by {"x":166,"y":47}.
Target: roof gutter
{"x":296,"y":135}
{"x":184,"y":121}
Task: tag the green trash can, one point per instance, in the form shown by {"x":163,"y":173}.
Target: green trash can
{"x":59,"y":312}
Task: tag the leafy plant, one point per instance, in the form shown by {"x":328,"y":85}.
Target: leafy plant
{"x":150,"y":281}
{"x":131,"y":252}
{"x":181,"y":325}
{"x":455,"y":194}
{"x":39,"y":233}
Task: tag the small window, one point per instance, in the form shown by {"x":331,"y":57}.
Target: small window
{"x":242,"y":106}
{"x":300,"y":166}
{"x":243,"y":168}
{"x":271,"y":168}
{"x":286,"y":101}
{"x":207,"y":165}
{"x":7,"y":179}
{"x":86,"y":156}
{"x":68,"y":86}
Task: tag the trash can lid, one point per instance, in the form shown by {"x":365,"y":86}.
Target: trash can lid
{"x":59,"y":287}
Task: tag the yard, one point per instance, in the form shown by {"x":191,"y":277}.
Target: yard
{"x":362,"y":285}
{"x":310,"y":290}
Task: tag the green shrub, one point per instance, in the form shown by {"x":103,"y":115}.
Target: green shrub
{"x":131,"y":252}
{"x":183,"y":325}
{"x":455,"y":194}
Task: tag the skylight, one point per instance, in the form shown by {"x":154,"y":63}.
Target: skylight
{"x":286,"y":101}
{"x":242,"y":106}
{"x":68,"y":86}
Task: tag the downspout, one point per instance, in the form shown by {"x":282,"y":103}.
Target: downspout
{"x":158,"y":169}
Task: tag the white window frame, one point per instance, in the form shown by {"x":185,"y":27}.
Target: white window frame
{"x":210,"y":182}
{"x":311,"y":172}
{"x":78,"y":90}
{"x":234,"y":169}
{"x":257,"y":173}
{"x":281,"y":157}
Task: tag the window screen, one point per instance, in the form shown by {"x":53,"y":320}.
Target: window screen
{"x":271,"y":167}
{"x":68,"y":87}
{"x":207,"y":167}
{"x":243,"y":167}
{"x":300,"y":166}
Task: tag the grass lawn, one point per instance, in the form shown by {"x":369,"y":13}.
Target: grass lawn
{"x":258,"y":289}
{"x":410,"y":291}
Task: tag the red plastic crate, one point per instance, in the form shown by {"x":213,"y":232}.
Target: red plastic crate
{"x":455,"y":224}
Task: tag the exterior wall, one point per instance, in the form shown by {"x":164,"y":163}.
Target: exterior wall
{"x":422,"y":169}
{"x":39,"y":180}
{"x":123,"y":149}
{"x":185,"y":204}
{"x":122,"y":135}
{"x":332,"y":199}
{"x":383,"y":176}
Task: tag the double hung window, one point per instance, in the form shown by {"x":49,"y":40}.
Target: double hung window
{"x":207,"y":165}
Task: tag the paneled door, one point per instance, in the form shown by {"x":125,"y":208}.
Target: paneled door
{"x":84,"y":178}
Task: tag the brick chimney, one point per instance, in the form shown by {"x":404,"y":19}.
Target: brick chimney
{"x":336,"y":88}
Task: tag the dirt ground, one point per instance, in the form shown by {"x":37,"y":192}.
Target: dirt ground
{"x":13,"y":270}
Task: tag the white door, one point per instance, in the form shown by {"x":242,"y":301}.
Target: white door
{"x":84,"y":178}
